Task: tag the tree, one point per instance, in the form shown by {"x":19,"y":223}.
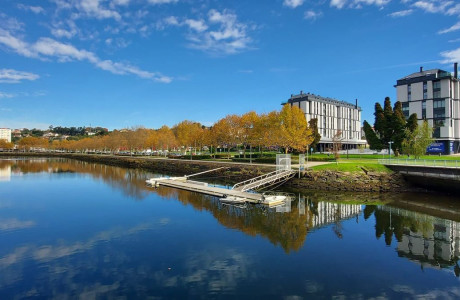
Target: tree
{"x":379,"y":123}
{"x":418,"y":140}
{"x":187,"y":133}
{"x":388,"y":129}
{"x":371,"y":137}
{"x":412,"y":122}
{"x":295,"y":133}
{"x":398,"y":125}
{"x":337,"y":144}
{"x":389,"y":126}
{"x":4,"y":144}
{"x":313,"y":123}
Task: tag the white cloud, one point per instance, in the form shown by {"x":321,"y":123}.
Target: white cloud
{"x":34,"y":9}
{"x":93,"y":8}
{"x":171,"y":20}
{"x":47,"y":47}
{"x":455,"y":10}
{"x":401,"y":13}
{"x":13,"y":76}
{"x":15,"y":44}
{"x":6,"y":95}
{"x":357,"y":3}
{"x":338,"y":3}
{"x":451,"y":56}
{"x":222,"y":34}
{"x":293,"y":3}
{"x":67,"y":29}
{"x":433,"y":6}
{"x":120,"y":2}
{"x":312,"y":15}
{"x":14,"y":224}
{"x":162,"y":1}
{"x":197,"y":25}
{"x":454,"y":27}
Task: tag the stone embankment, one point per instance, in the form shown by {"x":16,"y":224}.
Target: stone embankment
{"x":316,"y":180}
{"x":354,"y":182}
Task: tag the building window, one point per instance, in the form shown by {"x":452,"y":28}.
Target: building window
{"x":439,"y":104}
{"x":437,"y":128}
{"x":425,"y":95}
{"x":436,"y":94}
{"x":405,"y":109}
{"x":423,"y":110}
{"x":436,"y":85}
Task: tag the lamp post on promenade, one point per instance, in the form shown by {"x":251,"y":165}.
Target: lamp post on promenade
{"x":389,"y":148}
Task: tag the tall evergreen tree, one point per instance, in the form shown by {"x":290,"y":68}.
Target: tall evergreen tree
{"x":372,"y":139}
{"x":398,"y":125}
{"x":412,"y":122}
{"x":313,"y":123}
{"x":388,"y":129}
{"x":379,"y":123}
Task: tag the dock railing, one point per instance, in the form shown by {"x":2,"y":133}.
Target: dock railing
{"x":252,"y":180}
{"x":421,"y":162}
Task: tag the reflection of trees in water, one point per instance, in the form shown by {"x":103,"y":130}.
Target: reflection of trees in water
{"x":422,"y":238}
{"x":287,"y":230}
{"x":130,"y":181}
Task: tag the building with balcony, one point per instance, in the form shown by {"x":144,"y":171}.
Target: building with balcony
{"x":5,"y":134}
{"x":333,"y":116}
{"x":434,"y":96}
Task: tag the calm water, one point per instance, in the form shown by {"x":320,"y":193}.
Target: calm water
{"x":70,"y":229}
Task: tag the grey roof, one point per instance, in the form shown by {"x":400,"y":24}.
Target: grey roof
{"x":318,"y":98}
{"x":426,"y":73}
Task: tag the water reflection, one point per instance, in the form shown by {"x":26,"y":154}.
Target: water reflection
{"x":164,"y":247}
{"x":130,"y":181}
{"x":424,"y":239}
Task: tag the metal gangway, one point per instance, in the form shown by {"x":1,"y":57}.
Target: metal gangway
{"x":265,"y":180}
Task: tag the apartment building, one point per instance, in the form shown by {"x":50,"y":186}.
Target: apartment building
{"x":332,"y":115}
{"x":434,"y":96}
{"x":5,"y":134}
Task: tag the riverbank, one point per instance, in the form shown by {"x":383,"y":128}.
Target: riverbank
{"x":326,"y":180}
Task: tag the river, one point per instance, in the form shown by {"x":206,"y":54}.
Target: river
{"x":72,"y":229}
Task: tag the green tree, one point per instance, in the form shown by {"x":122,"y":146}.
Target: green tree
{"x":412,"y":122}
{"x":371,"y":137}
{"x":398,"y":125}
{"x":388,"y":129}
{"x":315,"y":132}
{"x":379,"y":123}
{"x":418,"y":140}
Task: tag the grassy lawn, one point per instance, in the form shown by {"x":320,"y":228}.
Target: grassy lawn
{"x":354,"y":167}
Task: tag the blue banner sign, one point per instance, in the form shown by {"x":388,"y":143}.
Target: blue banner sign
{"x":436,"y":148}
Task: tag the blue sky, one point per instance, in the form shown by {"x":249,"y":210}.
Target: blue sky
{"x":123,"y":63}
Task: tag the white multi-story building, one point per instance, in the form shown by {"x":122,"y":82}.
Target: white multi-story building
{"x":5,"y":134}
{"x":332,"y":115}
{"x":434,"y":96}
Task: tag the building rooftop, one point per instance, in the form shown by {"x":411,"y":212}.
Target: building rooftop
{"x":435,"y":72}
{"x":422,"y":75}
{"x":312,"y":97}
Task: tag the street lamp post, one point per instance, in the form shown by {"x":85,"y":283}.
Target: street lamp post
{"x":389,"y":148}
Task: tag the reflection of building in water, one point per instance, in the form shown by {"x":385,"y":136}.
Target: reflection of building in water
{"x":328,"y":212}
{"x":5,"y":173}
{"x":285,"y":208}
{"x":434,"y":241}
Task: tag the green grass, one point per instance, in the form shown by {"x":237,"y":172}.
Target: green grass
{"x":353,"y":167}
